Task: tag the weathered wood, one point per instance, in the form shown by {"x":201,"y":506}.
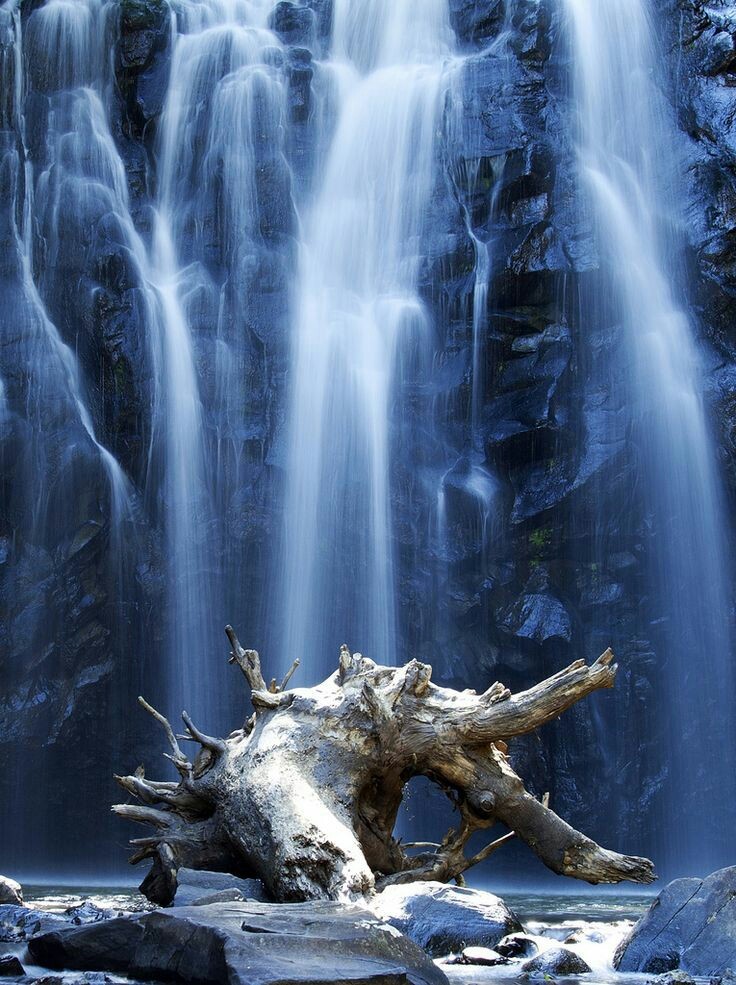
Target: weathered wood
{"x":306,"y":795}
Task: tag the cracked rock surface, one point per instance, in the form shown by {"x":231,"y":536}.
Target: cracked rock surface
{"x":691,"y":925}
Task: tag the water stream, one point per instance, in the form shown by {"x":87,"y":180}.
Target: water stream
{"x":629,"y":166}
{"x":358,"y":317}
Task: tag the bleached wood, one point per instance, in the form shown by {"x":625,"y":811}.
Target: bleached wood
{"x":306,"y":795}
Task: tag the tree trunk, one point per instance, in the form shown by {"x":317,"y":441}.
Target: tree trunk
{"x":305,"y":796}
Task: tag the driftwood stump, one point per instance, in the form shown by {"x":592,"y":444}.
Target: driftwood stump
{"x":305,"y":795}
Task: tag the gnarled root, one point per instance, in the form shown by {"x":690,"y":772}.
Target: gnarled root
{"x":305,"y":796}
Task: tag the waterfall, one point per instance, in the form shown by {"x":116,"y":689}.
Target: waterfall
{"x":68,"y":491}
{"x":71,"y":146}
{"x":358,"y":319}
{"x":280,"y":345}
{"x":628,"y":166}
{"x":184,"y":265}
{"x":221,"y":122}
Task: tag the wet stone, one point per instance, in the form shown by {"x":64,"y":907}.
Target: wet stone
{"x":87,"y":912}
{"x":199,"y":887}
{"x":727,"y":978}
{"x":673,"y":978}
{"x":691,"y":925}
{"x":481,"y":956}
{"x":517,"y":946}
{"x":446,"y":919}
{"x":243,"y":944}
{"x":10,"y":966}
{"x":10,"y":891}
{"x":556,"y":961}
{"x":19,"y":923}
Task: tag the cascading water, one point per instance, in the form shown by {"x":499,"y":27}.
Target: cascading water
{"x":259,"y":254}
{"x":628,"y":166}
{"x":221,"y":122}
{"x":358,"y":317}
{"x":68,"y":496}
{"x":67,"y":189}
{"x":72,"y":157}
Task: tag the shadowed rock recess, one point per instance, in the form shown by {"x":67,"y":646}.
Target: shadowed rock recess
{"x":545,"y":543}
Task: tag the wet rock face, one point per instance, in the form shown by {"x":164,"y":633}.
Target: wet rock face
{"x":690,"y":926}
{"x":540,"y":562}
{"x":142,"y":64}
{"x":545,"y":549}
{"x":475,"y":22}
{"x":703,"y":35}
{"x":295,"y":25}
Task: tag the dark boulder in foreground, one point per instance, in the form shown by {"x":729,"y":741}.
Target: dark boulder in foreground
{"x":556,"y":961}
{"x":445,"y":919}
{"x":691,"y":925}
{"x":10,"y":966}
{"x":243,"y":944}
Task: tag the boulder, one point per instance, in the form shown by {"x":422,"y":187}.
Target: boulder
{"x":195,"y":887}
{"x":10,"y":966}
{"x":244,"y":943}
{"x":445,"y":919}
{"x":10,"y":891}
{"x":517,"y":946}
{"x":480,"y":955}
{"x":11,"y":921}
{"x":691,"y":925}
{"x":673,"y":978}
{"x":556,"y":961}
